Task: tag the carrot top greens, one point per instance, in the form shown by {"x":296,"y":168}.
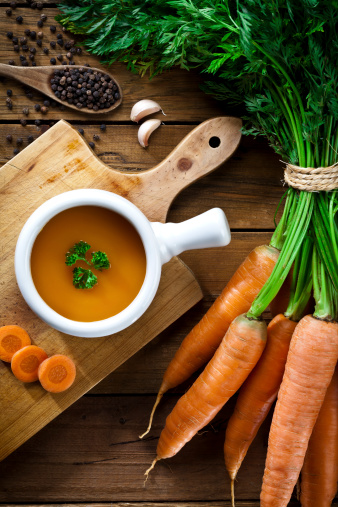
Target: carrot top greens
{"x":276,"y":61}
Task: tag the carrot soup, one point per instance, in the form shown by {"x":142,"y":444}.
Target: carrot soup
{"x":105,"y":231}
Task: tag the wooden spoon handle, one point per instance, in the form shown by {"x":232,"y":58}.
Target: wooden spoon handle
{"x":199,"y":153}
{"x":34,"y":77}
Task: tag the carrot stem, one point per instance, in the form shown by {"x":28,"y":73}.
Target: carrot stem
{"x":295,"y":236}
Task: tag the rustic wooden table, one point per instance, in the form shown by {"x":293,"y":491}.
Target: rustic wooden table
{"x":91,"y":454}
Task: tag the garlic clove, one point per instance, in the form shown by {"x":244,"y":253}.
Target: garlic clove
{"x":145,"y":130}
{"x":144,"y":108}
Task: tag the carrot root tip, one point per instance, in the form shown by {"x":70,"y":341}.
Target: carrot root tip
{"x":150,"y":469}
{"x":158,"y":399}
{"x":232,"y":486}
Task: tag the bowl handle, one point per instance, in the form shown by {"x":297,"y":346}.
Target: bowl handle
{"x":210,"y":229}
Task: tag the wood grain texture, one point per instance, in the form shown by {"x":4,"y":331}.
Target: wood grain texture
{"x":152,"y":504}
{"x":248,"y":187}
{"x":92,"y":453}
{"x":178,"y":92}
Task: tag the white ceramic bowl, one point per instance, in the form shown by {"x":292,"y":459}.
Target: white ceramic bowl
{"x":161,"y":242}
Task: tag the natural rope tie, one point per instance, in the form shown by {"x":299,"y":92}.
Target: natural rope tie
{"x":312,"y":179}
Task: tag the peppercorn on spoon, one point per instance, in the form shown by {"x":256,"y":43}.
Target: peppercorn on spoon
{"x":40,"y":78}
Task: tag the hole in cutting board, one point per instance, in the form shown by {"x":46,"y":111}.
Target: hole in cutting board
{"x":214,"y":142}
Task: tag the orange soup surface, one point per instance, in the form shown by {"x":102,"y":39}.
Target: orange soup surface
{"x":105,"y":231}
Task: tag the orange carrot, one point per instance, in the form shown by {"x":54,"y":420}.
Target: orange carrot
{"x":257,"y":394}
{"x":25,"y":363}
{"x":320,"y":470}
{"x":57,"y":373}
{"x":236,"y":356}
{"x":309,"y":369}
{"x":12,"y":339}
{"x":202,"y":341}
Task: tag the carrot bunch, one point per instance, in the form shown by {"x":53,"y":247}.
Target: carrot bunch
{"x":294,"y":358}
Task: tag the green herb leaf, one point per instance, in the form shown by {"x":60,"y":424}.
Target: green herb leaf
{"x":100,"y":261}
{"x":77,"y":253}
{"x":83,"y":278}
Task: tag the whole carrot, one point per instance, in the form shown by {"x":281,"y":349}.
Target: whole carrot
{"x":320,"y":470}
{"x":309,"y":369}
{"x":202,"y":341}
{"x":236,"y":356}
{"x":257,"y":394}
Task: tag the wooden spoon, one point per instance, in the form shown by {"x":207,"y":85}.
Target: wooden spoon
{"x":40,"y":77}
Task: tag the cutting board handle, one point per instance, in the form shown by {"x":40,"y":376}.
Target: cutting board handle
{"x":203,"y":150}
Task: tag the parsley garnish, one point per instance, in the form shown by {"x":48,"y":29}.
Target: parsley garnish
{"x":85,"y":278}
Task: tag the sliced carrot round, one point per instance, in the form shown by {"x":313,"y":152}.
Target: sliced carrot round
{"x":12,"y":339}
{"x":26,"y":361}
{"x":57,"y":373}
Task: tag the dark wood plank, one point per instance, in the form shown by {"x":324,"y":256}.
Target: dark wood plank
{"x":91,"y":453}
{"x":177,"y":91}
{"x":247,"y":189}
{"x":152,"y":504}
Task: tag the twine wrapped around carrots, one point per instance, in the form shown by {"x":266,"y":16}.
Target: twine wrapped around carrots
{"x":312,"y":179}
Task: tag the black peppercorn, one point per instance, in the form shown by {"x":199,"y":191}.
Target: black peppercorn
{"x":60,"y":58}
{"x":37,"y":123}
{"x":40,"y":23}
{"x":23,"y":40}
{"x":10,"y":35}
{"x":25,"y":63}
{"x":9,"y":138}
{"x":23,"y":122}
{"x":11,"y":62}
{"x":73,"y":51}
{"x":39,"y":5}
{"x":68,"y":45}
{"x":30,"y":139}
{"x":64,"y":63}
{"x":33,"y":5}
{"x":27,"y":32}
{"x":60,"y":42}
{"x":52,"y":28}
{"x":96,"y":137}
{"x":22,"y":58}
{"x":92,"y":145}
{"x":19,"y":141}
{"x":52,"y":61}
{"x":24,"y":47}
{"x":81,"y":131}
{"x":32,"y":50}
{"x":39,"y":43}
{"x":19,"y":20}
{"x":40,"y":35}
{"x":9,"y":93}
{"x":16,"y":151}
{"x":25,"y":111}
{"x":43,"y":17}
{"x":9,"y":12}
{"x":46,"y":103}
{"x":52,"y":44}
{"x":46,"y":51}
{"x":44,"y":110}
{"x":33,"y":64}
{"x":37,"y":107}
{"x":33,"y":35}
{"x":103,"y":127}
{"x":79,"y":52}
{"x":31,"y":57}
{"x":59,"y":36}
{"x":15,"y":40}
{"x":12,"y":5}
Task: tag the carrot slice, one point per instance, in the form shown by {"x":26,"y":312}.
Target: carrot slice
{"x":12,"y":339}
{"x":57,"y":373}
{"x":26,"y":361}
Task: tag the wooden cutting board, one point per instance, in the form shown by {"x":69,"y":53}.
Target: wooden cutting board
{"x":58,"y":161}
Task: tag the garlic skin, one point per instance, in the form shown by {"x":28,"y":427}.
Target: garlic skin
{"x":145,"y":130}
{"x":144,"y":108}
